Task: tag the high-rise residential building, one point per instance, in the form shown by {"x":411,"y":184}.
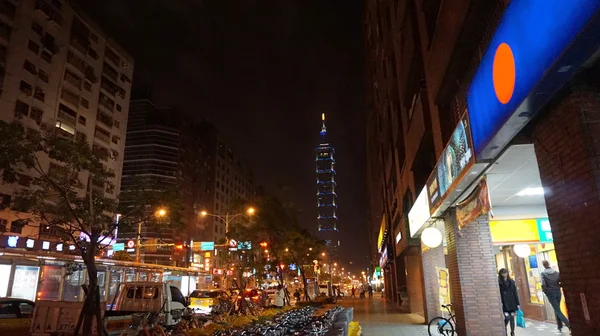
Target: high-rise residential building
{"x":58,"y":70}
{"x":482,"y":150}
{"x":327,"y":219}
{"x":231,"y":188}
{"x":167,"y":145}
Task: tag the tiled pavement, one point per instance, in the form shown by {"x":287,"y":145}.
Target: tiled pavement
{"x":377,"y":317}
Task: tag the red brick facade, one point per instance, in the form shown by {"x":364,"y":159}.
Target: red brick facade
{"x":567,"y":145}
{"x":432,"y":258}
{"x":473,"y":278}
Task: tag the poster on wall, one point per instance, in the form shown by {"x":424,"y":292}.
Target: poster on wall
{"x":444,"y":283}
{"x":475,"y":205}
{"x":456,"y":157}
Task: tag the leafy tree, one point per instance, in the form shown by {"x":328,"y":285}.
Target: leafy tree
{"x":67,"y":195}
{"x":303,"y":250}
{"x":122,"y":256}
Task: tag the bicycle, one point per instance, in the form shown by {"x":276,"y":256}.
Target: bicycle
{"x":145,"y":324}
{"x":441,"y":325}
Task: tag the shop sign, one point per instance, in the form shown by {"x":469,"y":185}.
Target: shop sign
{"x":475,"y":205}
{"x":12,"y":241}
{"x":377,"y":271}
{"x":207,"y":246}
{"x":244,"y":245}
{"x":544,"y":230}
{"x":419,"y":213}
{"x":382,"y":232}
{"x":522,"y":67}
{"x":444,"y":283}
{"x":384,"y":258}
{"x":514,"y":231}
{"x":456,"y":158}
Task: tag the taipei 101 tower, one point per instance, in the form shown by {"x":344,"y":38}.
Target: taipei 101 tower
{"x":326,"y":189}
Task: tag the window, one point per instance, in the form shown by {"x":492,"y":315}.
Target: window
{"x":115,"y":139}
{"x":114,"y":155}
{"x":116,"y":123}
{"x":87,"y":86}
{"x":36,"y":114}
{"x":17,"y":226}
{"x":46,"y":56}
{"x":119,"y":108}
{"x":43,"y":76}
{"x":30,"y":67}
{"x":72,"y":78}
{"x":26,"y":88}
{"x":4,"y":201}
{"x":112,"y":56}
{"x":125,"y":79}
{"x":105,"y":101}
{"x":3,"y":225}
{"x":70,"y":97}
{"x":39,"y":94}
{"x":110,"y":72}
{"x":33,"y":47}
{"x":82,"y":120}
{"x":92,"y":53}
{"x":21,"y":109}
{"x":85,"y":103}
{"x":149,"y":293}
{"x":37,"y":28}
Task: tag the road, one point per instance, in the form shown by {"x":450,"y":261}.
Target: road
{"x":378,"y":317}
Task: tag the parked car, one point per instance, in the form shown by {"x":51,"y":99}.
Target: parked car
{"x":202,"y":301}
{"x":15,"y":316}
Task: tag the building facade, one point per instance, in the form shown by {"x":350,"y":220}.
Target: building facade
{"x":165,"y":144}
{"x":327,"y":219}
{"x":58,"y":70}
{"x":481,"y":154}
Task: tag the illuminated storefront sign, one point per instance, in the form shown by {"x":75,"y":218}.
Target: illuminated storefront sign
{"x":244,"y":245}
{"x":456,"y":159}
{"x":419,"y":213}
{"x":518,"y":231}
{"x":12,"y":241}
{"x":384,"y":258}
{"x":382,"y":232}
{"x":537,"y":47}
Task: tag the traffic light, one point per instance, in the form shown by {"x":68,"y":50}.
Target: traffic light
{"x":263,"y":244}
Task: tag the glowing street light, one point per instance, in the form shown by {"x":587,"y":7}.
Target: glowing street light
{"x":227,"y":218}
{"x":161,"y":213}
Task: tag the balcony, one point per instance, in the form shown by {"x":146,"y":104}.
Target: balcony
{"x":102,"y":135}
{"x":66,"y":118}
{"x":48,"y":12}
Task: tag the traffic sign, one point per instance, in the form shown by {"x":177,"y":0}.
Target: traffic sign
{"x":131,"y":244}
{"x":207,"y":246}
{"x":118,"y":247}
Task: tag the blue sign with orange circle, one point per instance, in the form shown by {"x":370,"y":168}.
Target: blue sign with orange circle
{"x":531,"y":38}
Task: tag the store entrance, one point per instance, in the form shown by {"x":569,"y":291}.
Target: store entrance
{"x":521,"y":231}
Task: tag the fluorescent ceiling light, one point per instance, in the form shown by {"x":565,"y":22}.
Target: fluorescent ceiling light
{"x":531,"y":192}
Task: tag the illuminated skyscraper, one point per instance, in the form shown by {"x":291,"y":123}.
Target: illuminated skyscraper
{"x":326,"y":188}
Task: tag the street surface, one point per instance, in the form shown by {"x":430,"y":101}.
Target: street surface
{"x":377,"y":317}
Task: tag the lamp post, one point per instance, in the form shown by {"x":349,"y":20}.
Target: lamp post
{"x":227,"y":218}
{"x":138,"y":253}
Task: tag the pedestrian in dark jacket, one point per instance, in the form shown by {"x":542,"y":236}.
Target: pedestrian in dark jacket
{"x":551,"y":287}
{"x":510,"y":299}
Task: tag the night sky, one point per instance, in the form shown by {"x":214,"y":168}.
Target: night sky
{"x":263,"y":72}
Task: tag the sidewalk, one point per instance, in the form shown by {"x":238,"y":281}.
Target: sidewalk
{"x":377,"y":317}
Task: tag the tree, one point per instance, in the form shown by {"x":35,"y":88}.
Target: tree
{"x":122,"y":255}
{"x":303,"y":250}
{"x":67,"y":195}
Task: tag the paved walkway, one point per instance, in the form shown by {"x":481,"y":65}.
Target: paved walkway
{"x":378,"y":317}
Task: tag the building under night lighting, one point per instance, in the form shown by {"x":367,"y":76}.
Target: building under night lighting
{"x":326,"y":189}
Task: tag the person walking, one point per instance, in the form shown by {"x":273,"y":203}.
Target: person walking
{"x":353,"y":292}
{"x":551,"y":286}
{"x":279,"y":297}
{"x":370,"y":289}
{"x":510,"y":299}
{"x":297,"y":295}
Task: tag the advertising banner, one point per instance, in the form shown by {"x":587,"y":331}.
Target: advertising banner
{"x":475,"y":205}
{"x":444,"y":283}
{"x":382,"y":232}
{"x":456,"y":158}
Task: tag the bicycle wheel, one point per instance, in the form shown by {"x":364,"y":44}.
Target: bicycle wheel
{"x":440,"y":326}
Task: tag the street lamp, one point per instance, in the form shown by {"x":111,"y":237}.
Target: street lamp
{"x":162,"y":212}
{"x":229,"y":217}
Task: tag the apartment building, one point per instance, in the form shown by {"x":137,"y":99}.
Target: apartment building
{"x":231,"y":185}
{"x":58,"y":70}
{"x":477,"y":134}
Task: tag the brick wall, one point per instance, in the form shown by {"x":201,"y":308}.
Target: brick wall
{"x":414,"y":285}
{"x":473,"y":278}
{"x":432,"y":258}
{"x":567,"y":146}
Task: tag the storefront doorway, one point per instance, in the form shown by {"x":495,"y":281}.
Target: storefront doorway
{"x":520,"y":227}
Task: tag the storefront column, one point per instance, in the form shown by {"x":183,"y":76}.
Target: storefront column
{"x":432,"y":258}
{"x":473,"y":277}
{"x":401,"y":276}
{"x":414,"y":281}
{"x":567,"y":146}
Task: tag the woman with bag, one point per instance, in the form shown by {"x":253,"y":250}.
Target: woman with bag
{"x":510,"y":299}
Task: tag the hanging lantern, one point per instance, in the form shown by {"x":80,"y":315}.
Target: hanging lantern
{"x":431,"y":237}
{"x":522,"y":250}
